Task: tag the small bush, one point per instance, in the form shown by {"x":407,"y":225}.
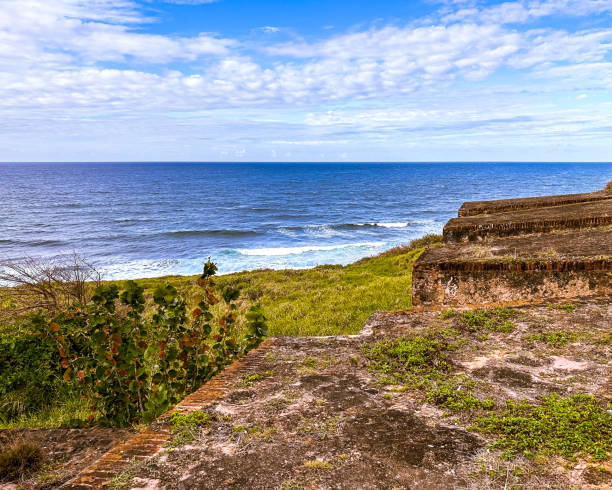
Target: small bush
{"x":406,"y":355}
{"x":457,"y":395}
{"x":563,"y":426}
{"x":495,"y":320}
{"x":20,"y":460}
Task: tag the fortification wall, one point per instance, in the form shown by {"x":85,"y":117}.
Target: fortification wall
{"x":543,"y":248}
{"x":475,"y":208}
{"x":476,"y":283}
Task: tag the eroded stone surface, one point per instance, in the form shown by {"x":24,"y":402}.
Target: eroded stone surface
{"x":318,"y":418}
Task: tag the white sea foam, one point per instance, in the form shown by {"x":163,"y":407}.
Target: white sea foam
{"x":388,"y":225}
{"x":281,"y":251}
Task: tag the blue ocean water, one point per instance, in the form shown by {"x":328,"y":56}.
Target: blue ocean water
{"x":149,"y":219}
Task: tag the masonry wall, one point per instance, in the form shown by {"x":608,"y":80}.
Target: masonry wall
{"x":469,"y":285}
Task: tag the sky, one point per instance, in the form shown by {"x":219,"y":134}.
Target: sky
{"x":305,"y":80}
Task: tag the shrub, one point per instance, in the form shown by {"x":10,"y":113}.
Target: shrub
{"x":30,"y":372}
{"x":48,"y":284}
{"x":137,"y":366}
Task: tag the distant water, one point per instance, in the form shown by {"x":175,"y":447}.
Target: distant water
{"x":148,"y":219}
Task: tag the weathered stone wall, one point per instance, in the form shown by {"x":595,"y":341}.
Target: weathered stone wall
{"x":473,"y":283}
{"x":475,"y":208}
{"x":457,"y":230}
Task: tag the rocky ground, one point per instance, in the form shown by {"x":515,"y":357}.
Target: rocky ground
{"x":328,"y":413}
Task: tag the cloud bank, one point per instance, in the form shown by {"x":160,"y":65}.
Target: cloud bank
{"x":91,"y":80}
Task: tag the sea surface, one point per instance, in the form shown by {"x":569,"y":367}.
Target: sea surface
{"x":149,"y":219}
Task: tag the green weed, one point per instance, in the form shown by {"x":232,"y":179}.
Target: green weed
{"x":561,"y":425}
{"x":555,"y":339}
{"x":495,"y":320}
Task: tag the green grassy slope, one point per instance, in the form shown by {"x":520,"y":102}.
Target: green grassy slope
{"x":325,"y":300}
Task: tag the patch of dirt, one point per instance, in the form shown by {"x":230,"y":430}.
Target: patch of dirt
{"x":598,"y":476}
{"x":506,"y":376}
{"x":401,"y":435}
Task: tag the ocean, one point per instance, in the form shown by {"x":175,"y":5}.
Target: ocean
{"x":135,"y":220}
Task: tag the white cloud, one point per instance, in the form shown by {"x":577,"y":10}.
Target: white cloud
{"x":190,"y":2}
{"x":54,"y":80}
{"x":72,"y":32}
{"x":528,"y":10}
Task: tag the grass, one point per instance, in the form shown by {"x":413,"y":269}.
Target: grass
{"x":62,"y":413}
{"x":249,"y":379}
{"x":554,"y":339}
{"x":421,"y":362}
{"x":565,"y":426}
{"x":324,"y":300}
{"x":186,"y":427}
{"x":19,"y":460}
{"x":494,"y":320}
{"x":318,"y":465}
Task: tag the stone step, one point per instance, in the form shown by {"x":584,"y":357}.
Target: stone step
{"x":528,"y":221}
{"x":476,"y":208}
{"x":567,"y":264}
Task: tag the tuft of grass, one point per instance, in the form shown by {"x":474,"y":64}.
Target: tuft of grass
{"x":255,"y":431}
{"x":249,"y":379}
{"x":555,"y":339}
{"x":186,"y":427}
{"x":567,"y":307}
{"x":456,"y":395}
{"x":318,"y":465}
{"x":19,"y":460}
{"x":493,"y":320}
{"x":197,"y":418}
{"x":564,"y":426}
{"x":291,"y":485}
{"x":446,"y":314}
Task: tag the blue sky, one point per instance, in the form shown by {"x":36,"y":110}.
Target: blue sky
{"x":305,"y":80}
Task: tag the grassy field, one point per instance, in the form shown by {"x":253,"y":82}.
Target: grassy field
{"x":325,"y":300}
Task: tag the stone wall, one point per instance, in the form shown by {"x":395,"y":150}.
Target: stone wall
{"x":472,"y":284}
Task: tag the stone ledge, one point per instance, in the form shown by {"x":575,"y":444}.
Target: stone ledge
{"x":474,"y":208}
{"x":542,"y":220}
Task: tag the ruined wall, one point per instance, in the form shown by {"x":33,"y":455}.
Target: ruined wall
{"x":475,"y":208}
{"x":476,"y":283}
{"x":457,"y":230}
